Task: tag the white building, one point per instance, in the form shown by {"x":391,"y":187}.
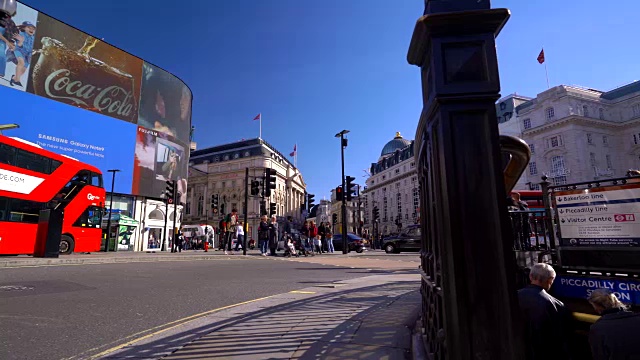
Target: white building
{"x":578,"y":134}
{"x":220,"y":170}
{"x":393,"y":188}
{"x":321,"y":212}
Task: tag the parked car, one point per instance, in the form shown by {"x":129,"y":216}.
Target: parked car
{"x":409,"y":239}
{"x":355,"y":242}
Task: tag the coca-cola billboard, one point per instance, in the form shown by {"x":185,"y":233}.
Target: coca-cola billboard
{"x":75,"y":68}
{"x":94,"y":102}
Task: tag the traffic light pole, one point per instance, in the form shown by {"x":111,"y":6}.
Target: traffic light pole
{"x":345,"y":242}
{"x":175,"y":218}
{"x":246,"y":211}
{"x":166,"y":219}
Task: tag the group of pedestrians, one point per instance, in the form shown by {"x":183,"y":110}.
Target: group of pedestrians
{"x":549,"y":325}
{"x":319,"y":239}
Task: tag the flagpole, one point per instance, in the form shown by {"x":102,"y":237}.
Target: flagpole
{"x":295,"y":157}
{"x":260,"y":136}
{"x":547,"y":74}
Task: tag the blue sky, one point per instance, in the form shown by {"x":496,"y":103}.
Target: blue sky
{"x":313,"y":68}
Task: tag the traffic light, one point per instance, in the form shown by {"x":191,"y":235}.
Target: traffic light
{"x":350,"y":190}
{"x":272,"y":208}
{"x":222,"y":208}
{"x":214,"y":203}
{"x":334,"y":218}
{"x":376,"y":213}
{"x":255,"y":187}
{"x":263,"y":208}
{"x":310,"y":201}
{"x":339,"y":196}
{"x":170,"y":191}
{"x":270,"y":181}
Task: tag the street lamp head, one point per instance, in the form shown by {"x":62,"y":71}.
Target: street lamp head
{"x":341,"y":133}
{"x":114,"y":170}
{"x":8,"y":126}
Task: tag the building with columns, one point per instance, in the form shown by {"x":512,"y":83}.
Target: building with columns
{"x":393,"y":188}
{"x":220,"y":170}
{"x":578,"y":134}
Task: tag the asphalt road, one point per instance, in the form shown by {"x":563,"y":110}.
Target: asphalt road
{"x":58,"y":312}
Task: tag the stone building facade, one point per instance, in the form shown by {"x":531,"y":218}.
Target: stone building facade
{"x":355,"y":214}
{"x":220,"y":170}
{"x":392,"y":187}
{"x":578,"y":134}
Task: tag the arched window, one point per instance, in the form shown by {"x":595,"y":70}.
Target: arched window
{"x":156,"y":214}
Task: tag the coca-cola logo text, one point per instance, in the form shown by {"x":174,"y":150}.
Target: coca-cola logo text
{"x":112,"y":99}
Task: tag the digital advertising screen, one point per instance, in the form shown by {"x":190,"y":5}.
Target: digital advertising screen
{"x":76,"y":95}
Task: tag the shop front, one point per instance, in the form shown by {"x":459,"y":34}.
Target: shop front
{"x":123,"y":229}
{"x":150,"y":214}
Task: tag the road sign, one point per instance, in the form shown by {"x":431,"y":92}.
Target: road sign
{"x":604,"y":216}
{"x":577,"y":287}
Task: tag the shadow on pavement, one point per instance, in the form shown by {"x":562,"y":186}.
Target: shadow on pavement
{"x":364,"y":323}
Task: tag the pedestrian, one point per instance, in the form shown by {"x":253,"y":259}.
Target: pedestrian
{"x":329,"y":236}
{"x":548,"y":323}
{"x":232,"y":223}
{"x":615,"y":335}
{"x":263,"y":235}
{"x":222,"y":234}
{"x":286,"y":228}
{"x":322,"y":231}
{"x":273,"y":235}
{"x":305,"y":237}
{"x":177,"y":240}
{"x":315,"y":238}
{"x":239,"y":236}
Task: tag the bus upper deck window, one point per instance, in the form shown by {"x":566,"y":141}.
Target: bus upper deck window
{"x":96,"y":179}
{"x":7,"y":154}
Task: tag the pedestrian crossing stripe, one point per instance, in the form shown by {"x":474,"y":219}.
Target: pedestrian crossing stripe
{"x":302,"y":292}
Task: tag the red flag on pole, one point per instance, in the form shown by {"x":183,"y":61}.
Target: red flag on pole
{"x":294,"y":150}
{"x":541,"y":56}
{"x":258,"y":117}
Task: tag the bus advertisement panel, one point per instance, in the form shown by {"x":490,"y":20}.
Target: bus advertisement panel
{"x":73,"y":94}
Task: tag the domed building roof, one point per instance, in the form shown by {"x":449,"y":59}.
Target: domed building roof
{"x":397,"y":143}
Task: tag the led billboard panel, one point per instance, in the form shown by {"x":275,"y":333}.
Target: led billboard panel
{"x":86,"y":99}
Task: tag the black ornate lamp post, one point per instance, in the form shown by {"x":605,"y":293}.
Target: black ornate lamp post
{"x":459,"y":170}
{"x":113,"y":182}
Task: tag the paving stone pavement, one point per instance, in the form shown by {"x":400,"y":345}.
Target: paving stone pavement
{"x":364,"y":318}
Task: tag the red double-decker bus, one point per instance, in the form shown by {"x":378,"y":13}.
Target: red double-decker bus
{"x":533,"y":198}
{"x":33,"y":179}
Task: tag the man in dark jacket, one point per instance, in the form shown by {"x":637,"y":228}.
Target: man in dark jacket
{"x":615,"y":335}
{"x":548,"y":323}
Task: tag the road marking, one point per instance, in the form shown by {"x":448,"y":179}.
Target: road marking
{"x":177,"y":323}
{"x":302,"y":292}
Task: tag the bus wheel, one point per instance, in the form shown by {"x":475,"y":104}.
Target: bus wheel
{"x":66,"y":244}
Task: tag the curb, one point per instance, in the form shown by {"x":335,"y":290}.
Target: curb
{"x":111,"y":260}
